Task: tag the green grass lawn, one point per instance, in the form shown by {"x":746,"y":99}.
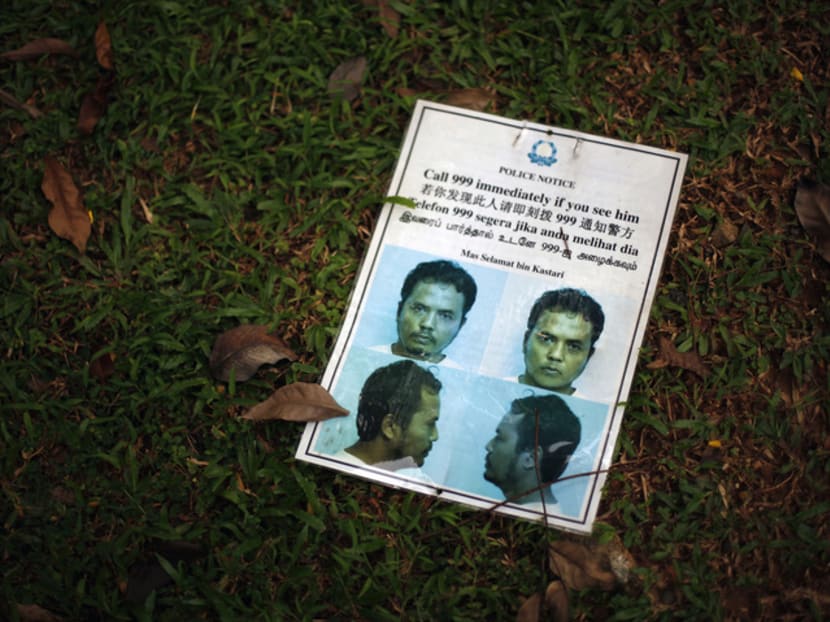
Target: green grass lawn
{"x":227,"y":186}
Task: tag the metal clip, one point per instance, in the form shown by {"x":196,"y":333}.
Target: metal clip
{"x":520,"y":134}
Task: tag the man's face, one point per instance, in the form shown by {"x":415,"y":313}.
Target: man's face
{"x":417,"y":439}
{"x":501,"y":464}
{"x":557,"y":350}
{"x":429,"y":320}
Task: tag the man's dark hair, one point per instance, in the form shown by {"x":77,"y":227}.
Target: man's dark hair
{"x":559,"y":432}
{"x":441,"y":271}
{"x":394,"y":389}
{"x":570,"y":301}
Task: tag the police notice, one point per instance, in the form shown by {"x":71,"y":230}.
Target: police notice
{"x":492,"y":335}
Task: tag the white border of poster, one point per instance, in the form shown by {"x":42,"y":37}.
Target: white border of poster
{"x":523,"y":209}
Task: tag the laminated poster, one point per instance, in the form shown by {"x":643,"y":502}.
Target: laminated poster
{"x":493,"y":331}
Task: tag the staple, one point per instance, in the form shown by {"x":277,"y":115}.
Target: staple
{"x":520,"y":134}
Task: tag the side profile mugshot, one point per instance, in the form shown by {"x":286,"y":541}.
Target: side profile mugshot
{"x":562,"y":329}
{"x":397,"y":418}
{"x":531,"y":448}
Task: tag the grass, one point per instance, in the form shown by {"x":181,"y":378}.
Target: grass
{"x":264,"y":191}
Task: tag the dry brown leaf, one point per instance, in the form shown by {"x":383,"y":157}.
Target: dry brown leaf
{"x":68,"y":217}
{"x":299,"y":401}
{"x":581,"y":567}
{"x":11,"y":100}
{"x":685,"y":360}
{"x":95,"y":104}
{"x":724,"y":234}
{"x":103,"y":47}
{"x":556,"y":601}
{"x":552,"y":606}
{"x":246,"y":348}
{"x":390,"y":19}
{"x":812,"y":206}
{"x":102,"y":367}
{"x":348,"y":77}
{"x":36,"y":613}
{"x":474,"y":99}
{"x":531,"y":609}
{"x":39,"y":47}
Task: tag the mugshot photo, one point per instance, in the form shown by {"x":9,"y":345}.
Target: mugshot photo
{"x":398,"y":408}
{"x":568,"y":340}
{"x":505,"y":431}
{"x":430,"y":309}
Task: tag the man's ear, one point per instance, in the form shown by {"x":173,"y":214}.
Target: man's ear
{"x":389,"y":428}
{"x":526,"y":459}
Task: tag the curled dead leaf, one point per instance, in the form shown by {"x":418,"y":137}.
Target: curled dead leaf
{"x":39,"y":47}
{"x":299,"y":401}
{"x":347,"y":78}
{"x":580,"y":566}
{"x":812,"y":206}
{"x":246,"y":348}
{"x":95,"y":104}
{"x":669,"y":356}
{"x":68,"y":217}
{"x":473,"y":99}
{"x":103,"y":47}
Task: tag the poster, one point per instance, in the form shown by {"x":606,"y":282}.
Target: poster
{"x":493,"y":331}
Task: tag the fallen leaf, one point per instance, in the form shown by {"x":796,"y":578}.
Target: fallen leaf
{"x":299,"y":401}
{"x":552,"y":606}
{"x":68,"y":217}
{"x":531,"y":609}
{"x":556,"y":600}
{"x":474,"y":99}
{"x":102,"y":367}
{"x":39,"y":47}
{"x":36,"y":613}
{"x":346,"y":80}
{"x":103,"y":47}
{"x":246,"y":348}
{"x":95,"y":104}
{"x":669,"y":356}
{"x":390,"y":19}
{"x":581,"y":567}
{"x":812,"y":206}
{"x":11,"y":100}
{"x":724,"y":234}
